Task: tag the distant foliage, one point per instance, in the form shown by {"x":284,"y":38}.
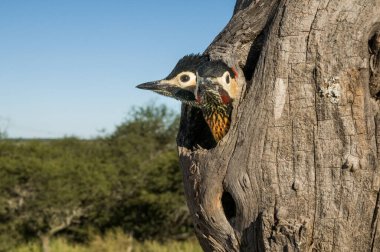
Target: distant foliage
{"x":3,"y":134}
{"x":129,"y":180}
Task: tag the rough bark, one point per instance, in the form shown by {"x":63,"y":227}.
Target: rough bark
{"x":299,"y":168}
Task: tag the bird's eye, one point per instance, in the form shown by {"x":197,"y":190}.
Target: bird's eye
{"x":184,"y":78}
{"x":228,"y":79}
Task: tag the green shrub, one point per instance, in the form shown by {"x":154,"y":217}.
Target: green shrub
{"x":77,"y":188}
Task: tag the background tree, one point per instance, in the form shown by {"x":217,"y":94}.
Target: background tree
{"x":299,"y":168}
{"x":51,"y":185}
{"x":3,"y":134}
{"x":151,"y":202}
{"x":4,"y":124}
{"x":76,"y":188}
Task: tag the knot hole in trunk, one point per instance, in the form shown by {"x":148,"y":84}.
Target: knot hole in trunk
{"x":229,"y":206}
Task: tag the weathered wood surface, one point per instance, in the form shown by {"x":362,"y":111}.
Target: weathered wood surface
{"x":299,"y":168}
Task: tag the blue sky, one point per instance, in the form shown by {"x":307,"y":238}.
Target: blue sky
{"x":70,"y":67}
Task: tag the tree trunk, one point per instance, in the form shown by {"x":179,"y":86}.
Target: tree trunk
{"x":299,"y":168}
{"x":45,"y":242}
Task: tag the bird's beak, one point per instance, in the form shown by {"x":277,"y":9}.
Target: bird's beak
{"x":153,"y":85}
{"x":161,"y":87}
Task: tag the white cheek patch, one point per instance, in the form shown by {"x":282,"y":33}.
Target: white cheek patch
{"x":173,"y":82}
{"x":227,"y":87}
{"x":190,"y":83}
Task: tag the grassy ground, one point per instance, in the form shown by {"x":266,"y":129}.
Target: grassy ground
{"x":115,"y":242}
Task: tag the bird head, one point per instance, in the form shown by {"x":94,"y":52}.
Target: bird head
{"x":216,"y":84}
{"x":215,"y":91}
{"x":181,"y":82}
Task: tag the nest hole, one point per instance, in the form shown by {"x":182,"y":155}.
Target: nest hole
{"x":193,"y":130}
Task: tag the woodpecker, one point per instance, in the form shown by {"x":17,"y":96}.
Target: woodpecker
{"x":215,"y":91}
{"x":181,"y":82}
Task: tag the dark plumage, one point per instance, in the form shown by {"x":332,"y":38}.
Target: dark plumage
{"x":215,"y":69}
{"x":216,"y":89}
{"x":189,"y":63}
